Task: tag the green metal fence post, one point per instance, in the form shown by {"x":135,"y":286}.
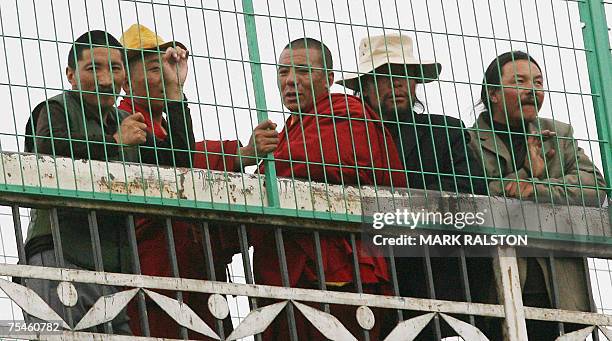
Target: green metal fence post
{"x":599,"y":63}
{"x":260,"y":96}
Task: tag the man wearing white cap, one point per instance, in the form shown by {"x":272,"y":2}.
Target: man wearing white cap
{"x":434,"y":147}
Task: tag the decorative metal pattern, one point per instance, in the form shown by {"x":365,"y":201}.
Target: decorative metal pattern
{"x":218,"y":307}
{"x":578,"y":335}
{"x":67,"y":294}
{"x":257,"y":321}
{"x":408,"y":330}
{"x":30,"y":302}
{"x":327,"y":324}
{"x":182,"y":314}
{"x":607,"y":332}
{"x":365,"y":317}
{"x":106,"y":309}
{"x":463,"y":329}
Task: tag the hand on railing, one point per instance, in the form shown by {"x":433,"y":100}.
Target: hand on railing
{"x":264,"y":140}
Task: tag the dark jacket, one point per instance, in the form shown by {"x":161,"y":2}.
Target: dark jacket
{"x":78,"y":132}
{"x":437,"y":157}
{"x":436,"y":154}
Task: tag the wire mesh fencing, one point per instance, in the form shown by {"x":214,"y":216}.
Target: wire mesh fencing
{"x":487,"y":118}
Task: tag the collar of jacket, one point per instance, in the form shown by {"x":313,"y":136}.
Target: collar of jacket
{"x":412,"y":130}
{"x":93,"y":111}
{"x":159,"y":128}
{"x":488,"y":141}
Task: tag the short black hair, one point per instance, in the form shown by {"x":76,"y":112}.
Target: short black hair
{"x":311,"y":43}
{"x":493,"y":73}
{"x":92,"y":39}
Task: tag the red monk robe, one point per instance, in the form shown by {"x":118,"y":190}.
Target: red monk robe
{"x":342,"y":142}
{"x":152,"y":245}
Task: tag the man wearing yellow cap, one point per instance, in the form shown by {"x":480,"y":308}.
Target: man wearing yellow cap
{"x":150,"y":61}
{"x":157,"y":72}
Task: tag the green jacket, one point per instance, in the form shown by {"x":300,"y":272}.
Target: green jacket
{"x":66,"y":117}
{"x":569,"y":166}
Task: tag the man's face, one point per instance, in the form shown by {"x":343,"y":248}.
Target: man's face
{"x":522,"y":97}
{"x":100,"y":65}
{"x":389,"y":90}
{"x":298,"y":82}
{"x":146,"y":81}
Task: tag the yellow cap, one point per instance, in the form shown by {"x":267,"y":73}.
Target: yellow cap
{"x":139,"y":37}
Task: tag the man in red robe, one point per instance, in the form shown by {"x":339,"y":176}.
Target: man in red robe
{"x":331,"y":138}
{"x":157,"y":74}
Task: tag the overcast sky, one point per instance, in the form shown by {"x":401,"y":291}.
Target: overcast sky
{"x":463,"y":35}
{"x":220,"y":80}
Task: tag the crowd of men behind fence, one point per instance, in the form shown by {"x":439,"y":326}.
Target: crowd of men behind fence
{"x":379,"y":135}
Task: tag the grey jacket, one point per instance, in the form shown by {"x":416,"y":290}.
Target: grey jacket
{"x":570,"y":178}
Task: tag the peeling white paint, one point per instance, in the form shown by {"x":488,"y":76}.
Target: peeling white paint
{"x":199,"y":185}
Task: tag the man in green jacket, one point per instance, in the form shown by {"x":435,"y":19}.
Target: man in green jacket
{"x":83,"y":123}
{"x":532,"y":158}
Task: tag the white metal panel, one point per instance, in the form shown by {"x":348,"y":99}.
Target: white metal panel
{"x":607,"y":332}
{"x":465,"y":330}
{"x":67,"y":294}
{"x":30,"y":302}
{"x":264,"y":291}
{"x":408,"y":330}
{"x":578,"y":335}
{"x":510,"y":293}
{"x":218,"y":307}
{"x":181,"y":313}
{"x":257,"y":321}
{"x":327,"y":324}
{"x":365,"y":317}
{"x":281,"y":293}
{"x":36,"y":171}
{"x":106,"y":309}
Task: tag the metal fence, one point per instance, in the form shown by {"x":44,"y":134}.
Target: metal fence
{"x":186,"y":220}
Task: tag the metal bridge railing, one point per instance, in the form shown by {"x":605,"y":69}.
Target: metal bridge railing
{"x":462,"y":293}
{"x":320,"y":228}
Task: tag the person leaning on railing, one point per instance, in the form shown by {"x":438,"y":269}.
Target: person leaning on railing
{"x":435,"y":149}
{"x":83,"y":123}
{"x":157,"y":72}
{"x":320,"y":143}
{"x":516,"y":148}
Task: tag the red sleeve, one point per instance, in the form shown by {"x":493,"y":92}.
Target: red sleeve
{"x":216,"y":155}
{"x":364,"y":143}
{"x":347,"y":147}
